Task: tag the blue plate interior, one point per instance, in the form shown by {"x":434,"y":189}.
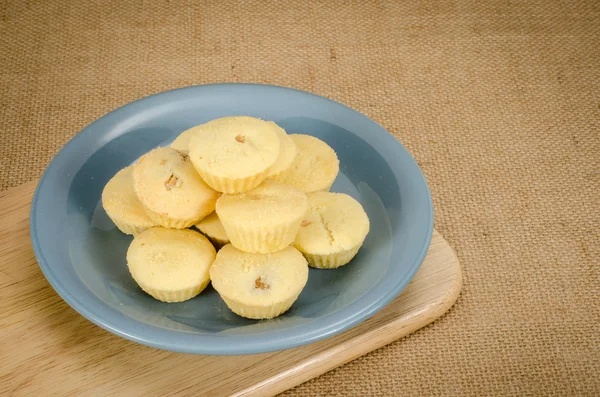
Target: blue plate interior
{"x":83,"y":254}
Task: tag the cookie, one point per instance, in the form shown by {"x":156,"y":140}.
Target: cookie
{"x":171,"y":190}
{"x":234,"y":154}
{"x":264,"y":219}
{"x":287,"y":154}
{"x":182,"y":142}
{"x":315,"y":167}
{"x":212,"y":228}
{"x":259,"y":286}
{"x":171,"y":265}
{"x":333,"y":230}
{"x":122,"y":205}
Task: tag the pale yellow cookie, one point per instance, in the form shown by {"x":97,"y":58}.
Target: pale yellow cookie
{"x":182,"y":142}
{"x":287,"y":154}
{"x":264,"y":219}
{"x":333,"y":230}
{"x":259,"y":286}
{"x":122,"y":205}
{"x":171,"y":190}
{"x":212,"y":228}
{"x":315,"y":167}
{"x":171,"y":265}
{"x":234,"y":154}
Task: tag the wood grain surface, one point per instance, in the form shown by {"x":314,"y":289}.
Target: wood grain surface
{"x":49,"y":349}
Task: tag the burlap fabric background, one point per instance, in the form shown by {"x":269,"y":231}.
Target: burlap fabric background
{"x":498,"y":101}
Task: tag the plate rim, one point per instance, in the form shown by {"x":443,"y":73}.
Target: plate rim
{"x":286,"y":342}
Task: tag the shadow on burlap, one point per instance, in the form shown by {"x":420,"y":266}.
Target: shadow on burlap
{"x":499,"y":103}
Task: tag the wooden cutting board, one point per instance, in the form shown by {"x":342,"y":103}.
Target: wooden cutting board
{"x":47,"y":348}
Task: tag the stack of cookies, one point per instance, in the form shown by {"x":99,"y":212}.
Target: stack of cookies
{"x":256,"y":194}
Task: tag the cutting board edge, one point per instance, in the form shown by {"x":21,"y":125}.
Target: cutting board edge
{"x":337,"y":355}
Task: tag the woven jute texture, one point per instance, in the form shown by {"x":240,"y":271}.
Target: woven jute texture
{"x":498,"y":101}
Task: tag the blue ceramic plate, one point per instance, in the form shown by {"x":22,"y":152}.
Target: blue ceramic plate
{"x":82,"y":253}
